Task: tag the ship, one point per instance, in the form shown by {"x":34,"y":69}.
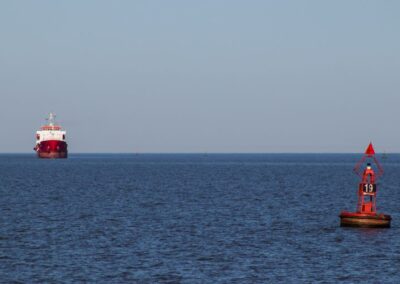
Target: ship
{"x":51,"y":140}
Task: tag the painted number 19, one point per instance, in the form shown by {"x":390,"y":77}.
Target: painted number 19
{"x":369,"y":188}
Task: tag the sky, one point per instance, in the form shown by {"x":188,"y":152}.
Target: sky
{"x":202,"y":76}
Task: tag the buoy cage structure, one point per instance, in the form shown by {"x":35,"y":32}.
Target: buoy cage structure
{"x":366,"y":215}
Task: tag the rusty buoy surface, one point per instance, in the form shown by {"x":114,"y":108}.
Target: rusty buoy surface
{"x":351,"y":219}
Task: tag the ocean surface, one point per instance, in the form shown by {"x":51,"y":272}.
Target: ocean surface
{"x":188,"y":218}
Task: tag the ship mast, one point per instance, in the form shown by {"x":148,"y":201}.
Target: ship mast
{"x":51,"y":119}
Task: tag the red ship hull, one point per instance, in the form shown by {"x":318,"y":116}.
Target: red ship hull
{"x":52,"y":149}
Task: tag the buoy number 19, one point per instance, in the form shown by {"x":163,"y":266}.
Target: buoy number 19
{"x":369,"y":188}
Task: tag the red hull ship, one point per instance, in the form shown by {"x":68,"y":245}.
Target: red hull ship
{"x":50,"y":141}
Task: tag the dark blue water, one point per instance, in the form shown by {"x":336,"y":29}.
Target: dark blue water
{"x":192,"y":219}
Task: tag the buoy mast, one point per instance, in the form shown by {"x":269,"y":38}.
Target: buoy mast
{"x":367,"y":187}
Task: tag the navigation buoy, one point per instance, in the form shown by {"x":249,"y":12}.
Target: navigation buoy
{"x":366,"y":214}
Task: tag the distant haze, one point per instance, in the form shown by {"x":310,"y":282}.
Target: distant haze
{"x":202,"y":76}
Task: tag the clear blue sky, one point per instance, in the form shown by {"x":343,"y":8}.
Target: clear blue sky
{"x":202,"y":76}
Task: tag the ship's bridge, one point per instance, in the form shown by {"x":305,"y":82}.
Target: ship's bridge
{"x":50,"y":132}
{"x":50,"y":127}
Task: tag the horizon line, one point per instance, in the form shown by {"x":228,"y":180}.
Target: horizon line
{"x":198,"y":153}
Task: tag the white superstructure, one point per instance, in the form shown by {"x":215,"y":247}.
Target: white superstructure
{"x":51,"y":131}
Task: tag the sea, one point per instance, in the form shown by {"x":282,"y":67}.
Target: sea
{"x":193,"y":218}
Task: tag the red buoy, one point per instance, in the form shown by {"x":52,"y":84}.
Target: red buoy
{"x":366,"y":214}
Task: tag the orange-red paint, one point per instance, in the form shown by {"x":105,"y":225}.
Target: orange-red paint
{"x":366,"y":213}
{"x":370,"y":151}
